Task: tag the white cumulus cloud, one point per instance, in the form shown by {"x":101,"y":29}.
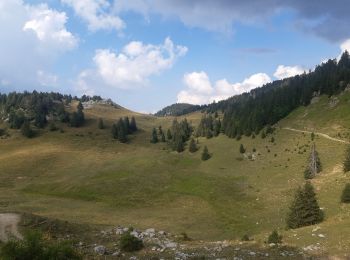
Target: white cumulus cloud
{"x":201,"y":91}
{"x":49,"y":27}
{"x":132,"y":66}
{"x":288,"y":71}
{"x":95,"y":14}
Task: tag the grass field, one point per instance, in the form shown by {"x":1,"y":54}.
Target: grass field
{"x":84,"y":176}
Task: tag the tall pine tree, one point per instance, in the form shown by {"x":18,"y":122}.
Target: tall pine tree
{"x":304,"y":210}
{"x":154,"y":136}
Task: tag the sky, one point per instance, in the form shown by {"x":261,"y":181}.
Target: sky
{"x":147,"y":54}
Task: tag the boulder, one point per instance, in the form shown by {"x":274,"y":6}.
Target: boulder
{"x":101,"y":250}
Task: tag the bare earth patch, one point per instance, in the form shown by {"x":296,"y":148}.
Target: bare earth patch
{"x":9,"y":226}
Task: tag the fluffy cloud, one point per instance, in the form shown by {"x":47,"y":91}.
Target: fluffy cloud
{"x":327,"y":19}
{"x":46,"y":79}
{"x":94,"y":12}
{"x":32,"y":38}
{"x":345,"y":46}
{"x":132,"y":66}
{"x":202,"y":91}
{"x":288,"y":71}
{"x":49,"y":27}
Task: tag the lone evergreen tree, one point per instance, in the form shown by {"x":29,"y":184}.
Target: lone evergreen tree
{"x":192,"y":146}
{"x":127,"y":125}
{"x":100,"y":124}
{"x":347,"y":160}
{"x":304,"y":210}
{"x":205,"y":154}
{"x":314,"y":166}
{"x":122,"y":135}
{"x":241,"y":149}
{"x":154,"y":136}
{"x":345,"y":197}
{"x":133,"y":126}
{"x":169,"y":135}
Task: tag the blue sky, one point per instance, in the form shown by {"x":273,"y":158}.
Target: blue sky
{"x":146,"y":54}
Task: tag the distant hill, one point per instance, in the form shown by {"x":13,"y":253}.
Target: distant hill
{"x":178,"y":109}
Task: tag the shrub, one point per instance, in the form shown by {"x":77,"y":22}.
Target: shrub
{"x":26,"y":130}
{"x":34,"y":247}
{"x":241,"y":149}
{"x":345,"y":197}
{"x":130,"y":243}
{"x":205,"y":154}
{"x":245,"y":238}
{"x":52,"y":126}
{"x":275,"y":238}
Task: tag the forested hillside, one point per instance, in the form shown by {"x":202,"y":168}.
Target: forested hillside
{"x":178,"y":109}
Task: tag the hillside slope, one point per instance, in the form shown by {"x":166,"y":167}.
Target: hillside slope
{"x":84,"y":176}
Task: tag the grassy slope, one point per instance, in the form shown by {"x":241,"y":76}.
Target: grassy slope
{"x":84,"y":176}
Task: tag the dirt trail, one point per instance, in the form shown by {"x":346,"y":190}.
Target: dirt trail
{"x":317,"y":133}
{"x":9,"y":226}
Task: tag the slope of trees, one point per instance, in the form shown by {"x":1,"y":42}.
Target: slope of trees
{"x":179,"y":134}
{"x":249,"y":112}
{"x":208,"y":126}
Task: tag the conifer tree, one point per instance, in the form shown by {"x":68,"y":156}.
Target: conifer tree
{"x":133,"y":126}
{"x":314,"y":166}
{"x":346,"y":164}
{"x":169,"y":135}
{"x":160,"y":130}
{"x":192,"y":146}
{"x":263,"y":135}
{"x":162,"y":138}
{"x":205,"y":154}
{"x":26,"y":130}
{"x":304,"y":210}
{"x":154,"y":136}
{"x":179,"y":145}
{"x":274,"y":238}
{"x":345,"y":197}
{"x":100,"y":124}
{"x":127,"y":125}
{"x":122,"y":135}
{"x":114,"y":131}
{"x":241,"y":149}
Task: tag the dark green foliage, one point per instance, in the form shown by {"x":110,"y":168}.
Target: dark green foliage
{"x":245,"y":238}
{"x":312,"y":136}
{"x":26,"y":130}
{"x":267,"y":105}
{"x":345,"y":197}
{"x":178,"y":109}
{"x":180,"y":132}
{"x":154,"y":136}
{"x":314,"y":165}
{"x":304,"y":210}
{"x":122,"y":128}
{"x":263,"y":135}
{"x":52,"y":126}
{"x":272,"y":139}
{"x":3,"y":132}
{"x":129,"y":243}
{"x":16,"y":119}
{"x":192,"y":146}
{"x":205,"y":154}
{"x":133,"y":127}
{"x":160,"y":130}
{"x":241,"y":149}
{"x":162,"y":138}
{"x":346,"y":164}
{"x":40,"y":120}
{"x":275,"y":238}
{"x":100,"y":124}
{"x":169,"y":136}
{"x":77,"y":119}
{"x":62,"y":114}
{"x":208,"y":126}
{"x":33,"y":247}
